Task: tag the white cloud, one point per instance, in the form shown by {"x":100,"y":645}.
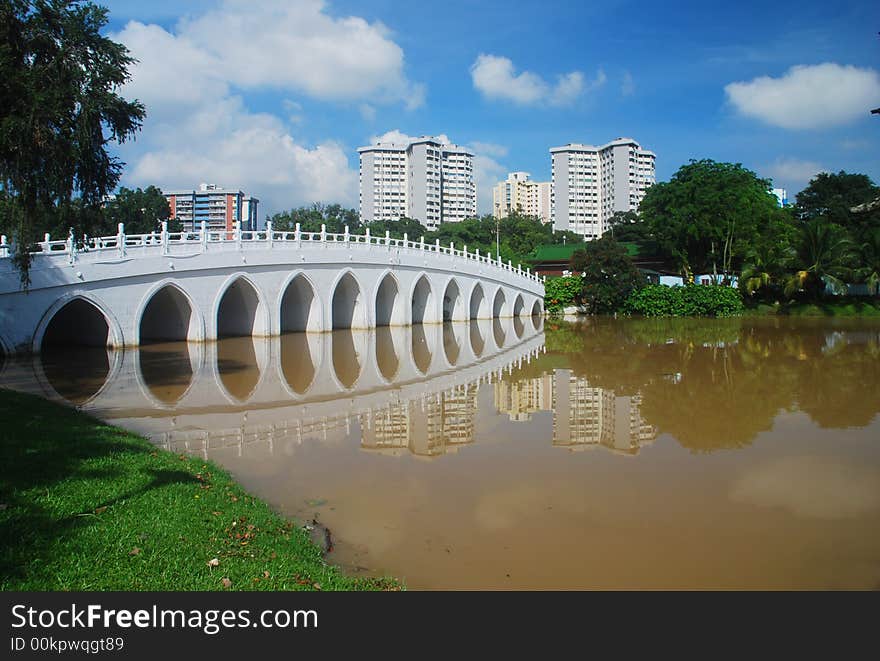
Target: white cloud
{"x":792,"y":173}
{"x":495,"y":77}
{"x":489,"y":149}
{"x":198,"y":128}
{"x":811,"y":487}
{"x":808,"y":97}
{"x":627,"y":85}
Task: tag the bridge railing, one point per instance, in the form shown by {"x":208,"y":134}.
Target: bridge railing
{"x":203,"y":237}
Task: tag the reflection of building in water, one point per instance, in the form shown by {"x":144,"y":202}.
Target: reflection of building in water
{"x":519,"y":399}
{"x":426,"y":427}
{"x":585,"y":416}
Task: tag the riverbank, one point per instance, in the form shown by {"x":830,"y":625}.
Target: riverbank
{"x":858,"y":307}
{"x":88,"y":506}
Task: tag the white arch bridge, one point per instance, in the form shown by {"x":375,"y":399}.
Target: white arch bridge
{"x":126,"y":290}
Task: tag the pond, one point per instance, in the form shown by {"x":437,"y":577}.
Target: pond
{"x":530,"y":454}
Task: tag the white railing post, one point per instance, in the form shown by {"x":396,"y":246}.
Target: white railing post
{"x":71,"y":247}
{"x":204,"y":235}
{"x":120,"y":239}
{"x":4,"y":246}
{"x":297,"y":235}
{"x":44,"y":247}
{"x":347,"y":245}
{"x":437,"y":246}
{"x":464,"y":250}
{"x":477,"y":254}
{"x":452,"y":248}
{"x":388,"y":239}
{"x":367,"y":236}
{"x":422,"y":243}
{"x":323,"y":232}
{"x":163,"y":234}
{"x":405,"y":240}
{"x":509,"y":265}
{"x":269,"y":231}
{"x":236,"y":232}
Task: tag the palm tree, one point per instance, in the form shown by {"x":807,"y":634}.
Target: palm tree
{"x":869,"y":269}
{"x":764,"y":267}
{"x":822,"y":253}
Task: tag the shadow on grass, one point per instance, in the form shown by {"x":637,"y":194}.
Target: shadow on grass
{"x":43,"y":457}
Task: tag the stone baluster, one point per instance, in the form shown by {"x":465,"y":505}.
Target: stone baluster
{"x":163,"y":237}
{"x":367,"y":236}
{"x":270,"y":238}
{"x":44,"y":247}
{"x":203,"y":235}
{"x":4,"y":246}
{"x":297,"y":236}
{"x":388,"y":239}
{"x":452,"y":248}
{"x":71,"y":247}
{"x":422,"y":243}
{"x":236,"y":232}
{"x":464,"y":250}
{"x":405,"y":240}
{"x":437,"y":245}
{"x":323,"y":233}
{"x":120,"y":239}
{"x":346,"y":237}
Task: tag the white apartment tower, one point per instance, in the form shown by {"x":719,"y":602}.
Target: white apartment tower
{"x":589,"y":184}
{"x":519,"y":193}
{"x":425,"y":178}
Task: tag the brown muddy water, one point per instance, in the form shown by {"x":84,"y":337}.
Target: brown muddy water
{"x":522,"y":454}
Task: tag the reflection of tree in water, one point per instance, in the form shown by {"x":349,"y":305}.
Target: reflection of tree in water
{"x":166,"y":370}
{"x":716,"y":384}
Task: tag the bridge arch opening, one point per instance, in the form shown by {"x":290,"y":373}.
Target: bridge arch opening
{"x":386,"y":353}
{"x":479,"y":309}
{"x":238,"y":367}
{"x":451,"y":347}
{"x":518,"y":327}
{"x":348,"y":305}
{"x":77,"y":323}
{"x":518,"y":306}
{"x":422,"y":302}
{"x":300,"y":307}
{"x":168,"y":317}
{"x":498,"y":332}
{"x":238,"y":310}
{"x":537,"y":311}
{"x":297,"y":362}
{"x":166,"y":371}
{"x":421,"y":352}
{"x":348,"y":352}
{"x":478,"y":342}
{"x":453,"y":306}
{"x":389,"y":311}
{"x":499,"y":304}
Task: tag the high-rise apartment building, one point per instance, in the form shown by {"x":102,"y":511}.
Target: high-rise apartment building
{"x":589,"y":184}
{"x":426,"y":179}
{"x":219,"y":207}
{"x":519,"y":193}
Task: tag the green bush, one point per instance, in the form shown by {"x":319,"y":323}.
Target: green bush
{"x":561,"y":292}
{"x":689,"y":301}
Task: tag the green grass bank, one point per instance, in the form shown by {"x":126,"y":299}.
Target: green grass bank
{"x":88,"y":506}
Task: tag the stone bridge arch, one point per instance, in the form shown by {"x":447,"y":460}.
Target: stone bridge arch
{"x":240,"y":309}
{"x":168,"y":313}
{"x":80,"y":323}
{"x":300,"y":307}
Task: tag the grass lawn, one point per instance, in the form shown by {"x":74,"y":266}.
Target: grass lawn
{"x":87,"y":506}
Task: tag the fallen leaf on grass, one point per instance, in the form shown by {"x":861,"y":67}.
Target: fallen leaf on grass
{"x":265,"y":574}
{"x":213,"y":562}
{"x":100,"y":510}
{"x":317,"y":586}
{"x":135,"y":551}
{"x":226,"y":582}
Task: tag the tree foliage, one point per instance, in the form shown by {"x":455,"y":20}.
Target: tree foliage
{"x":833,"y":197}
{"x":141,"y":211}
{"x":59,"y":109}
{"x":608,"y":275}
{"x":708,"y":215}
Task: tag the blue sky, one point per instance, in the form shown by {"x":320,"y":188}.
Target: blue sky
{"x":275,"y":96}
